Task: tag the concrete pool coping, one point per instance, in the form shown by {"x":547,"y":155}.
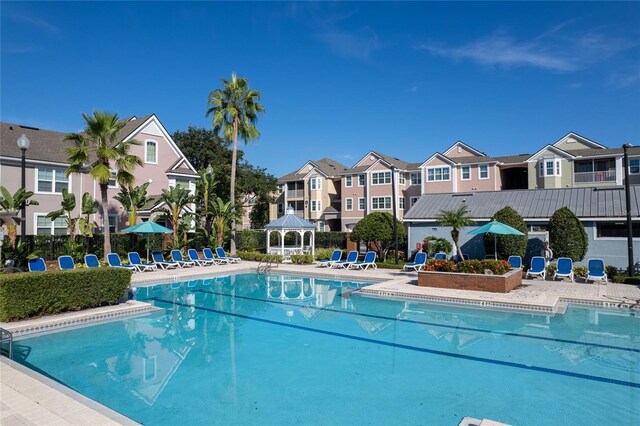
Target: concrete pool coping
{"x":29,"y":403}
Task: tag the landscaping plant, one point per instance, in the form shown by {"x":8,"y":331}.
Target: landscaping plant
{"x":376,"y":229}
{"x":456,"y":219}
{"x":508,"y":245}
{"x":567,"y":235}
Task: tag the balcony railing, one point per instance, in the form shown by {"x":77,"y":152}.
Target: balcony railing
{"x":295,"y":193}
{"x":590,"y":177}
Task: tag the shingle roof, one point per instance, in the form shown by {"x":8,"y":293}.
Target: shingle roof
{"x":290,"y":221}
{"x":327,"y":166}
{"x":531,"y":203}
{"x":593,"y":152}
{"x":182,"y":171}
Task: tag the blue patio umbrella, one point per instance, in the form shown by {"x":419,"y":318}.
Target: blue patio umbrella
{"x":494,"y":227}
{"x":147,"y":227}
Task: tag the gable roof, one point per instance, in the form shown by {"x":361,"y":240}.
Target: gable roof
{"x":327,"y":166}
{"x":582,"y":139}
{"x":465,"y":146}
{"x":438,"y":155}
{"x":606,"y":203}
{"x":553,"y":149}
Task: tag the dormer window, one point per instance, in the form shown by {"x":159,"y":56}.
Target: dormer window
{"x":151,"y":152}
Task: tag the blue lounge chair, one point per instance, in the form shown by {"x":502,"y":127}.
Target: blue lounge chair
{"x":176,"y":256}
{"x":515,"y":262}
{"x":440,"y":256}
{"x":369,"y":260}
{"x":595,"y":271}
{"x":538,"y":267}
{"x":351,"y":258}
{"x":195,"y":257}
{"x":335,"y":257}
{"x":159,"y":260}
{"x":91,"y":261}
{"x":222,"y":255}
{"x":134,"y":259}
{"x":418,"y":263}
{"x":114,"y":262}
{"x":36,"y":265}
{"x":565,"y":268}
{"x":208,"y":254}
{"x":66,"y":263}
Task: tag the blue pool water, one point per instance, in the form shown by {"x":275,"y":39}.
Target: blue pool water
{"x":256,"y":350}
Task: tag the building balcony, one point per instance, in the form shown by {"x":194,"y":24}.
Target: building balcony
{"x":295,"y":193}
{"x":592,"y":177}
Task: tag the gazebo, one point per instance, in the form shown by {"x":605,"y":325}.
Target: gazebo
{"x":291,"y":223}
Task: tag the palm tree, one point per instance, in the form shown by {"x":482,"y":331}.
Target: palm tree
{"x":98,"y":146}
{"x":133,"y":198}
{"x":68,"y":205}
{"x":12,"y":203}
{"x":223,"y":213}
{"x":235,"y":110}
{"x":205,"y":191}
{"x":457,"y":219}
{"x":176,"y":199}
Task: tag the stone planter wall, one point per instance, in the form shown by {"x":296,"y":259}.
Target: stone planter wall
{"x":492,"y":283}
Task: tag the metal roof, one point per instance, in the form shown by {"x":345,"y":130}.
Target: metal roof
{"x":531,"y":203}
{"x":290,"y":221}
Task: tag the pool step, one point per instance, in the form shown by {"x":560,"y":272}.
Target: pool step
{"x":471,"y":421}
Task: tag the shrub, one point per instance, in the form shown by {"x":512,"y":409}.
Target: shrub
{"x":376,"y":229}
{"x":611,"y":271}
{"x":391,"y":264}
{"x":259,"y":257}
{"x":436,"y":245}
{"x":440,"y":265}
{"x":625,"y":279}
{"x":508,"y":245}
{"x":551,"y":269}
{"x":325,"y":253}
{"x":249,"y":240}
{"x":497,"y":267}
{"x":32,"y":294}
{"x":567,"y":235}
{"x":471,"y":267}
{"x":328,"y":239}
{"x":579,"y":271}
{"x":301,"y":259}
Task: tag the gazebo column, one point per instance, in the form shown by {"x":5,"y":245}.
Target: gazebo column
{"x":312,"y":241}
{"x":268,"y":242}
{"x":301,"y":234}
{"x":282,"y":234}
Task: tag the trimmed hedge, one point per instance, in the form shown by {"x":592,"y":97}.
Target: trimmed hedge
{"x":507,"y":245}
{"x":33,"y":294}
{"x":567,"y":235}
{"x":302,"y":259}
{"x":258,"y":257}
{"x":625,"y":279}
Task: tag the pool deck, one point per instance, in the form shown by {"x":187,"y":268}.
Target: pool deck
{"x":33,"y":399}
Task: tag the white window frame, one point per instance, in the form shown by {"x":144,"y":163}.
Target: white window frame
{"x":315,"y":183}
{"x":416,"y":178}
{"x":316,"y":205}
{"x":384,"y":201}
{"x":467,"y":170}
{"x":480,"y":166}
{"x":384,"y":178}
{"x":362,"y":204}
{"x":146,"y":150}
{"x":348,"y":181}
{"x":442,"y":169}
{"x":348,"y":201}
{"x":402,"y":179}
{"x":401,"y":203}
{"x":412,"y":201}
{"x":637,"y":166}
{"x":113,"y":223}
{"x":362,"y":180}
{"x":114,"y":174}
{"x":53,"y":181}
{"x":51,"y":227}
{"x":543,"y":167}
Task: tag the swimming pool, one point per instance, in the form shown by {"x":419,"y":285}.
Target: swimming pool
{"x":283,"y":349}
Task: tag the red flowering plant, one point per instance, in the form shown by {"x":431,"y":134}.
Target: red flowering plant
{"x":440,"y":265}
{"x":498,"y":267}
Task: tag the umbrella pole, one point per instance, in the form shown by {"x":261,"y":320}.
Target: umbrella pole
{"x":495,"y":247}
{"x":147,"y":247}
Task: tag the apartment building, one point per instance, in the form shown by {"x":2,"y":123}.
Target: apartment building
{"x":313,"y":191}
{"x":164,"y":166}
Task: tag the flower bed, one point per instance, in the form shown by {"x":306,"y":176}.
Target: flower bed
{"x":470,"y":275}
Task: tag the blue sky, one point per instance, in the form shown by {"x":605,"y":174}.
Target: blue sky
{"x":337,"y":79}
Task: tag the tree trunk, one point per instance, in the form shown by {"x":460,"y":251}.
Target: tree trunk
{"x":105,"y":219}
{"x":12,"y":230}
{"x":455,"y":234}
{"x":232,"y":192}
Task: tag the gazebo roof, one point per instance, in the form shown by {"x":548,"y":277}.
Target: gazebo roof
{"x":290,"y":221}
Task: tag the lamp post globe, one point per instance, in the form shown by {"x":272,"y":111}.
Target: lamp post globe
{"x":23,"y":144}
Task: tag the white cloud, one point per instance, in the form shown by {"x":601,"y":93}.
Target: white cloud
{"x":356,"y":44}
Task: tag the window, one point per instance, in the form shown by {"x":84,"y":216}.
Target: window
{"x":380,"y":178}
{"x":616,"y":229}
{"x":549,"y":167}
{"x":483,"y":171}
{"x":45,"y":226}
{"x":113,"y":182}
{"x":51,"y":181}
{"x":401,"y":203}
{"x":316,"y":205}
{"x":634,"y":166}
{"x":280,"y":209}
{"x":416,"y":178}
{"x":348,"y":181}
{"x":466,"y":172}
{"x":362,"y":180}
{"x":436,"y":174}
{"x":315,"y":183}
{"x":361,"y":204}
{"x":381,"y":203}
{"x":113,"y":222}
{"x":401,"y":178}
{"x":348,"y":204}
{"x":151,"y":152}
{"x":412,"y":201}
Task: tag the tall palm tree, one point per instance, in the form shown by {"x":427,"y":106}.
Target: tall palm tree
{"x":223,"y":213}
{"x":99,"y":147}
{"x":12,"y":203}
{"x":457,"y":219}
{"x":235,"y":109}
{"x":176,"y":199}
{"x":133,"y":198}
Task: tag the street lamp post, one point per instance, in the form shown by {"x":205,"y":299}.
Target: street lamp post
{"x":395,"y":214}
{"x":627,"y":190}
{"x":23,"y":144}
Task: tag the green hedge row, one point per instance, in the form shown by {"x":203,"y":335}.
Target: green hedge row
{"x":302,"y":259}
{"x":33,"y":294}
{"x":625,"y":279}
{"x":258,"y":257}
